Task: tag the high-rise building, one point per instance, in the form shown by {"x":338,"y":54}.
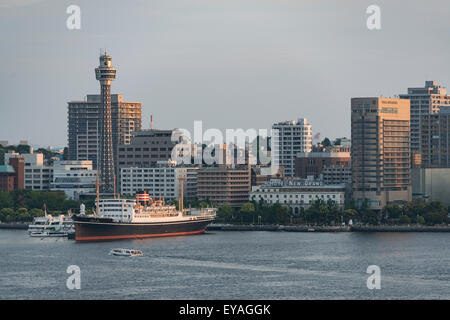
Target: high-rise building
{"x":435,"y":142}
{"x":84,"y":120}
{"x":290,"y":138}
{"x":380,"y":151}
{"x":97,"y":125}
{"x":423,"y":101}
{"x":146,"y":148}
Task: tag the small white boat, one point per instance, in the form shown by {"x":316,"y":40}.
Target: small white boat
{"x":125,"y":252}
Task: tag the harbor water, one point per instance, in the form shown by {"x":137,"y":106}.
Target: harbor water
{"x":230,"y":265}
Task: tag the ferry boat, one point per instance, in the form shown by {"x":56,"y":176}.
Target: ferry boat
{"x":49,"y":226}
{"x":126,"y":252}
{"x":142,"y":217}
{"x":38,"y":224}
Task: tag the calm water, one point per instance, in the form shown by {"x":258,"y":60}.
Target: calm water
{"x":230,"y":265}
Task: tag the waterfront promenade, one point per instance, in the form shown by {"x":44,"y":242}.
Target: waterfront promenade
{"x":303,"y":228}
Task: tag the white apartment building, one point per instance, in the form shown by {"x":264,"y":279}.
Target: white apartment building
{"x":74,"y":178}
{"x":290,"y":138}
{"x":38,"y":175}
{"x":162,"y":181}
{"x":298,"y":193}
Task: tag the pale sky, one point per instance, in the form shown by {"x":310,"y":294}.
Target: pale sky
{"x":230,"y":63}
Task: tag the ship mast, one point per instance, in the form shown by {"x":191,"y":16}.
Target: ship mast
{"x":181,"y":185}
{"x":98,"y":195}
{"x":114,"y":186}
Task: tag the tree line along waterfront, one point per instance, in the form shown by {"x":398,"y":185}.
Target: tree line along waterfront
{"x":25,"y":205}
{"x":329,"y":214}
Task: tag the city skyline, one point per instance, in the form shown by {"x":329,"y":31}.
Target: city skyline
{"x":233,"y":74}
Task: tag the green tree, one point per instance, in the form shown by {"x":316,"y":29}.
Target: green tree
{"x":23,"y":148}
{"x":225,"y":213}
{"x":326,"y":142}
{"x":420,"y":220}
{"x":6,"y":200}
{"x":36,"y":213}
{"x":280,"y":214}
{"x":350,"y":214}
{"x":404,"y":219}
{"x":247,"y":212}
{"x":433,"y":218}
{"x":6,"y":212}
{"x":22,"y":215}
{"x":392,"y":211}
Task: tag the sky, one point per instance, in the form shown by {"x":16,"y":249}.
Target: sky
{"x":229,"y":63}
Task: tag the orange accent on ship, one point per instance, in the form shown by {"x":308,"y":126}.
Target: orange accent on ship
{"x":100,"y":238}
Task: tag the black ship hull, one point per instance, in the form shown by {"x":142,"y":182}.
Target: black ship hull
{"x":89,"y":229}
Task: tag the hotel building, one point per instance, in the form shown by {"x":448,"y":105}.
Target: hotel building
{"x":298,"y":193}
{"x":380,"y":151}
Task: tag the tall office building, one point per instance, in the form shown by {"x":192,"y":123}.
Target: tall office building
{"x":426,"y":100}
{"x":380,"y":151}
{"x":86,"y":140}
{"x":290,"y":138}
{"x":146,"y":148}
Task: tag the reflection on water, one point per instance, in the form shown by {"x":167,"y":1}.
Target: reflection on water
{"x":230,"y":265}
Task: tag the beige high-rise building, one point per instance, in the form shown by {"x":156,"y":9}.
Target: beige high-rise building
{"x":380,"y":151}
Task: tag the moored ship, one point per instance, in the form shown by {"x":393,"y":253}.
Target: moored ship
{"x":125,"y":219}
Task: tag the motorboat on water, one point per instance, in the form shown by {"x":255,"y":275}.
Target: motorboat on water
{"x":126,"y":252}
